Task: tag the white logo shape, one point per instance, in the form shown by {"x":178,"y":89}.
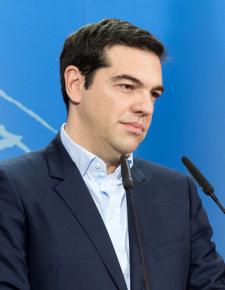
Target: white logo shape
{"x":10,"y":139}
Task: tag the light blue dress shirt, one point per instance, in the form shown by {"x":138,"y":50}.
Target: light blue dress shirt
{"x":108,"y":194}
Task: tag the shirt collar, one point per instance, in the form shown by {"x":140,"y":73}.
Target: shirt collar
{"x":82,"y":157}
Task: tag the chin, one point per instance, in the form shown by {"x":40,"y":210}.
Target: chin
{"x":128,"y":148}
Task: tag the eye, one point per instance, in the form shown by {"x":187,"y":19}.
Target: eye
{"x":155,"y":96}
{"x":127,"y":87}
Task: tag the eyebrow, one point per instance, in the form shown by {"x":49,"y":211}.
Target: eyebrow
{"x":136,"y":81}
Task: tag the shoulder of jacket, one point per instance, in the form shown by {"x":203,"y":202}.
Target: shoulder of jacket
{"x":149,"y":167}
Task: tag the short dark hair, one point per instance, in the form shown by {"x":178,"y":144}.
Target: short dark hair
{"x":85,"y":47}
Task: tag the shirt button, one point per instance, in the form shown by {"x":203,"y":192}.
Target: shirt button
{"x":97,"y":166}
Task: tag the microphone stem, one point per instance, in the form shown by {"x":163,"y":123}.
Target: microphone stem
{"x":217,"y":201}
{"x":128,"y":185}
{"x":139,"y":239}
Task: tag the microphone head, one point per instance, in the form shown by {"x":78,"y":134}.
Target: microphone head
{"x":185,"y":160}
{"x":125,"y":173}
{"x":198,"y":176}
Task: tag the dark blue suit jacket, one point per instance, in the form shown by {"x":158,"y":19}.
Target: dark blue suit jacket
{"x":52,"y":236}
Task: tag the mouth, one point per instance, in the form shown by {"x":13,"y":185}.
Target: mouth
{"x":133,"y":127}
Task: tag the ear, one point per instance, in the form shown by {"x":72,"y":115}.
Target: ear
{"x":74,"y":83}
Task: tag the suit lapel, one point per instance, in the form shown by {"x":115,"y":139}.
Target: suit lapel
{"x":77,"y":198}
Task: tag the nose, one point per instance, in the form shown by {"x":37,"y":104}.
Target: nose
{"x":143,"y":105}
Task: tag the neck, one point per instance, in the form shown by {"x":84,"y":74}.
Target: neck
{"x":111,"y":163}
{"x":112,"y":167}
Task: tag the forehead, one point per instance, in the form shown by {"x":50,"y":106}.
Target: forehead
{"x":143,"y":64}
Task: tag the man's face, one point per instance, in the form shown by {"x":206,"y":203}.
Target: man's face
{"x":115,"y":113}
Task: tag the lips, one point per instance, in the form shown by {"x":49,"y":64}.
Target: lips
{"x":134,"y":127}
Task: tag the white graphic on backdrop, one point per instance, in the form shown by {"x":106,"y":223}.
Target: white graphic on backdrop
{"x":9,"y":139}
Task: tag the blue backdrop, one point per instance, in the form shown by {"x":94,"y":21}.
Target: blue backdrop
{"x":189,"y":118}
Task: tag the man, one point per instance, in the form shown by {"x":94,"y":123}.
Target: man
{"x":65,"y":220}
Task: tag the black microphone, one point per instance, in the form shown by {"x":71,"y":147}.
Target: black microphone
{"x":126,"y":174}
{"x":128,"y":186}
{"x":202,"y":181}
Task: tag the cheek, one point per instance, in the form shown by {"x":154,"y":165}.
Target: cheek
{"x":108,"y":105}
{"x":105,"y":103}
{"x":148,"y":123}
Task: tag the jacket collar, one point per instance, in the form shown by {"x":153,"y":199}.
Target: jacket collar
{"x":60,"y":162}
